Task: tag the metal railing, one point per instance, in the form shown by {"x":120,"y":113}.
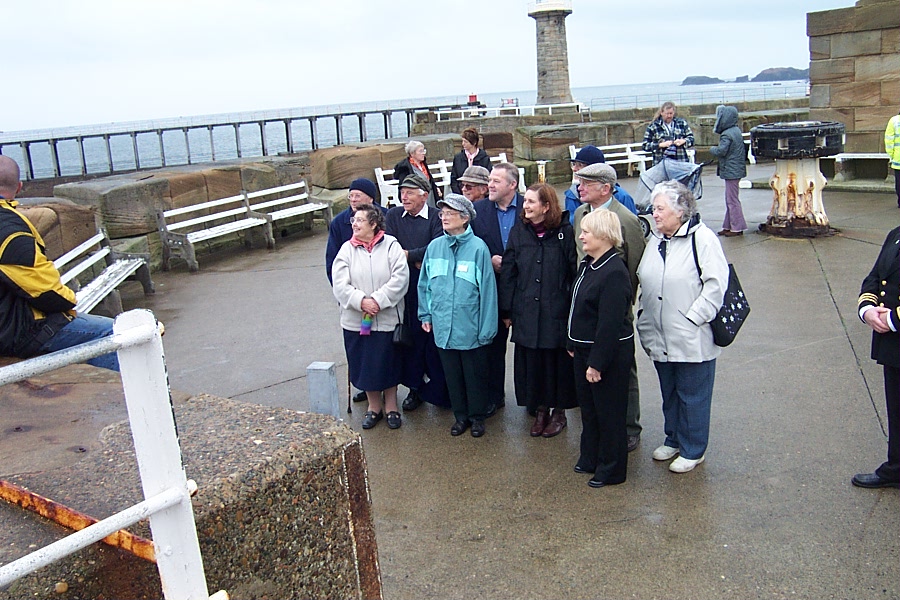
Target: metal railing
{"x":456,"y":114}
{"x":723,"y":95}
{"x":120,"y":147}
{"x":167,"y":491}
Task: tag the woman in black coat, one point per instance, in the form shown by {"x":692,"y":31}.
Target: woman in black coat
{"x":470,"y":156}
{"x":415,"y":163}
{"x":535,"y":287}
{"x":601,"y":341}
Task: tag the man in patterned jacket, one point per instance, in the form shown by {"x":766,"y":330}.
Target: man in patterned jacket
{"x":37,"y":313}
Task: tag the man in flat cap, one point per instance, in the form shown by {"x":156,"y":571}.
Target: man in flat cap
{"x":595,"y":185}
{"x":474,"y":183}
{"x":592,"y":155}
{"x":415,"y":224}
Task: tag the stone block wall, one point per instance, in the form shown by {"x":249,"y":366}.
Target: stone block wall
{"x":552,"y":57}
{"x":854,"y":69}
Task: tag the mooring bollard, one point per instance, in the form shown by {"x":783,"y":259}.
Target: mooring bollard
{"x":797,"y":207}
{"x":323,"y":391}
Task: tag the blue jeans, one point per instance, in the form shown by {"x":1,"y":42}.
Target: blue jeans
{"x":687,"y":399}
{"x":85,"y":328}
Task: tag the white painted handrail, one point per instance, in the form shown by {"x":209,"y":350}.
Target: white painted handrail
{"x":167,"y":491}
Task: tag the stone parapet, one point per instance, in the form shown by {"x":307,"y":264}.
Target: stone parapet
{"x":854,"y":69}
{"x":283,"y":509}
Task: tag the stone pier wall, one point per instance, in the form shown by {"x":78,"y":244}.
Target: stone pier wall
{"x":854,"y":69}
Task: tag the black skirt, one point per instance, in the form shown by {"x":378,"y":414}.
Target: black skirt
{"x":374,"y":361}
{"x":544,"y":378}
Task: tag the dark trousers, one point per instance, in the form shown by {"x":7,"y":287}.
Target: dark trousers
{"x":497,"y":366}
{"x":422,"y":370}
{"x":467,"y":375}
{"x":897,"y":185}
{"x":604,"y":443}
{"x":890,"y":470}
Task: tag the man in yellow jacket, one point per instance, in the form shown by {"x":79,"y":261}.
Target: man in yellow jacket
{"x":892,"y":147}
{"x":37,"y":313}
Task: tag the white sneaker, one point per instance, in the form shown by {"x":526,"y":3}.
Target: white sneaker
{"x":683,"y":465}
{"x":664,"y":453}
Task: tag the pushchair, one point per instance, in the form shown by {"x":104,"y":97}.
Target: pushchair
{"x":666,"y":170}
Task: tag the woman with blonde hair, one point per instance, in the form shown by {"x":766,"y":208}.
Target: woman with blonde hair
{"x":601,"y":341}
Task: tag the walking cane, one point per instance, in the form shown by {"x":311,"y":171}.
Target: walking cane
{"x":349,"y":392}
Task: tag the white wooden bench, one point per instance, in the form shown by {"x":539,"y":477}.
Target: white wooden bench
{"x":388,"y":185}
{"x":845,"y":164}
{"x":232,"y":215}
{"x":625,"y":154}
{"x":84,"y":260}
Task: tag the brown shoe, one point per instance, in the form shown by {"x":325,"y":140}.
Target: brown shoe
{"x":556,"y":425}
{"x":722,"y":232}
{"x":540,"y":422}
{"x":727,"y":233}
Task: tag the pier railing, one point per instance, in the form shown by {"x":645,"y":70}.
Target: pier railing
{"x":167,"y":491}
{"x":451,"y":114}
{"x":123,"y":147}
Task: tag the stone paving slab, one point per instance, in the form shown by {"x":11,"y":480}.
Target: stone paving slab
{"x":798,"y":408}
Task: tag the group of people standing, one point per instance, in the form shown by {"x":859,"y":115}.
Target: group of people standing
{"x":460,"y":276}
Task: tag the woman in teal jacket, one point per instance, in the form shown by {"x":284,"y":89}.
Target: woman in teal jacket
{"x":458,"y":303}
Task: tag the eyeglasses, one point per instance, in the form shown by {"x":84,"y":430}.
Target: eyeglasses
{"x":468,"y":186}
{"x":359,"y":220}
{"x":449,"y":212}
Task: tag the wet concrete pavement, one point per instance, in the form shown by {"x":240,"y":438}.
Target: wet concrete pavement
{"x":798,"y":408}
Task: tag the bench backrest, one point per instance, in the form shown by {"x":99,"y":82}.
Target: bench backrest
{"x":388,"y":186}
{"x":83,"y":251}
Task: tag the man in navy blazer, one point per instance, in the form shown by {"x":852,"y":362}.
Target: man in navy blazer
{"x":496,"y":216}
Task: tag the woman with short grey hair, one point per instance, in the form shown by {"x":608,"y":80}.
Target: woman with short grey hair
{"x":683,"y":275}
{"x":415,"y":163}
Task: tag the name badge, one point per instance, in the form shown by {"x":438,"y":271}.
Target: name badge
{"x":462,"y":268}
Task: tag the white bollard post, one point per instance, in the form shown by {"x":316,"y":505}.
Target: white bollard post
{"x":323,"y":391}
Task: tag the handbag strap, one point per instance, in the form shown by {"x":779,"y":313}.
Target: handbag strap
{"x":696,"y":260}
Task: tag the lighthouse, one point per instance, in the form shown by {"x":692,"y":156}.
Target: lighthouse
{"x":552,"y":50}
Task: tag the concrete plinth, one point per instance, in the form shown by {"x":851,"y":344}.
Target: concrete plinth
{"x":283,"y":509}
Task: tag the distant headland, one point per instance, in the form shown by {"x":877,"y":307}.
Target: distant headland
{"x":773,"y":74}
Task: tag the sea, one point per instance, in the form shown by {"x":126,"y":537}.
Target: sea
{"x":205,"y":138}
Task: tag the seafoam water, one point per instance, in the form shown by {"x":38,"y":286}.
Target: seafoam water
{"x":202,"y":134}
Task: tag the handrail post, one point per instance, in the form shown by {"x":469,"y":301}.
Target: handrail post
{"x":158,"y":454}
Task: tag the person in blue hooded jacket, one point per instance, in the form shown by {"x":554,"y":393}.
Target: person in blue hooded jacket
{"x":458,"y":303}
{"x":732,"y":167}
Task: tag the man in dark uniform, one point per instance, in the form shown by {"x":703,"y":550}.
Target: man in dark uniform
{"x":414,"y":225}
{"x":879,"y":308}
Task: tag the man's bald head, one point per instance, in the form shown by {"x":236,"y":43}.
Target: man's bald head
{"x":9,"y":177}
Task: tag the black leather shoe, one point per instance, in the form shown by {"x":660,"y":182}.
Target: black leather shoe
{"x":581,"y":470}
{"x":873,"y":480}
{"x":371,"y":419}
{"x":491,"y":411}
{"x":459,"y":428}
{"x":477,"y":428}
{"x":413,"y":401}
{"x":394,"y":420}
{"x":360,"y":397}
{"x":633,"y":441}
{"x":595,"y":483}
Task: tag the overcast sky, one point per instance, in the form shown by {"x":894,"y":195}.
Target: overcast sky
{"x":101,"y":61}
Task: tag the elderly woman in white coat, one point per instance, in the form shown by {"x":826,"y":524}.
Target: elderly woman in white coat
{"x":683,"y":275}
{"x":370,"y":278}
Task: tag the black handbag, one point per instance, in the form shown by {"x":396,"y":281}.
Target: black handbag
{"x":735,"y":307}
{"x":402,"y":334}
